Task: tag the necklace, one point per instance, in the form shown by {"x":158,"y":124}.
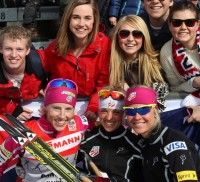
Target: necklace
{"x":16,"y":79}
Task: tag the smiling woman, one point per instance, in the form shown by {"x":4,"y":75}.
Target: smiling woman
{"x":58,"y":126}
{"x":110,"y":146}
{"x":180,"y":56}
{"x":133,"y":60}
{"x":167,"y":154}
{"x":80,"y":53}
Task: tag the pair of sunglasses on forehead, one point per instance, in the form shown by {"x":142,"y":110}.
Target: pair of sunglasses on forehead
{"x":116,"y":95}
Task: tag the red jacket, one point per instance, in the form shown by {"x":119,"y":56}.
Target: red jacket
{"x":90,"y":70}
{"x":11,"y":97}
{"x":65,"y":142}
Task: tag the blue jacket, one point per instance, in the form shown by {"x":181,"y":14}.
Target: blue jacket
{"x":120,"y":8}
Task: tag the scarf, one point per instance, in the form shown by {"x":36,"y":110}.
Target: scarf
{"x":182,"y":63}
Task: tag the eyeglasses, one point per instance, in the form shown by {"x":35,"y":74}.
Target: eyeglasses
{"x":123,"y":34}
{"x":132,"y":111}
{"x":179,"y":22}
{"x":116,"y":95}
{"x":62,"y":82}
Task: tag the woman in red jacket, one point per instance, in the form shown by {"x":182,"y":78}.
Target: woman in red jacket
{"x":80,"y":52}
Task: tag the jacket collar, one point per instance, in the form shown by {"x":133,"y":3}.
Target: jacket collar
{"x":118,"y":133}
{"x":155,"y":137}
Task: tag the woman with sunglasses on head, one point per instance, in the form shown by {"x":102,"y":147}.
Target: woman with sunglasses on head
{"x":80,"y":52}
{"x":180,"y":56}
{"x":58,"y":126}
{"x":110,"y":146}
{"x":133,"y":60}
{"x":167,"y":155}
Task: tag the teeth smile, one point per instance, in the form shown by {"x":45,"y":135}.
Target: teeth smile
{"x":138,"y":123}
{"x":155,"y":8}
{"x":80,"y":30}
{"x":60,"y":123}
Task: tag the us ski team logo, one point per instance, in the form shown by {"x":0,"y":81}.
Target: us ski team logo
{"x":94,"y":151}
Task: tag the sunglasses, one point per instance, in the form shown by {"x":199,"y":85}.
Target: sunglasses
{"x":123,"y":34}
{"x":116,"y":95}
{"x":132,"y":111}
{"x":179,"y":22}
{"x":62,"y":82}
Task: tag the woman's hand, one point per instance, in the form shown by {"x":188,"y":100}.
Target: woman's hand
{"x":196,"y":82}
{"x":25,"y":115}
{"x":195,"y":114}
{"x":91,"y":116}
{"x":113,"y":20}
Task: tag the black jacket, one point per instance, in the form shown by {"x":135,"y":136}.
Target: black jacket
{"x":114,"y":153}
{"x":169,"y":156}
{"x":163,"y":35}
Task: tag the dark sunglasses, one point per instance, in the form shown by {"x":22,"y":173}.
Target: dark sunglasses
{"x":123,"y":34}
{"x":62,"y":82}
{"x":116,"y":95}
{"x":132,"y":111}
{"x":179,"y":22}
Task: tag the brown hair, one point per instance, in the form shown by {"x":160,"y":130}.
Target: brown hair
{"x":65,"y":39}
{"x":183,"y":5}
{"x":15,"y":32}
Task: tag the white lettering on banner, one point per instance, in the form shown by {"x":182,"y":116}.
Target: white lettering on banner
{"x":66,"y":142}
{"x":177,"y":145}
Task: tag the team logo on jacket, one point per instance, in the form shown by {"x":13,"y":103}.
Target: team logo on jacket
{"x":94,"y":151}
{"x":72,"y":125}
{"x":177,"y":145}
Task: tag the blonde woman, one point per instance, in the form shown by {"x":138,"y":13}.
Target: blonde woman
{"x":168,"y":155}
{"x":133,"y":59}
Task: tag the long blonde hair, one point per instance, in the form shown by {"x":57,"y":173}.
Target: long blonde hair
{"x":149,"y":66}
{"x":65,"y":40}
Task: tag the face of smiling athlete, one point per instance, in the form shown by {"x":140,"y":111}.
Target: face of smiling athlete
{"x":59,"y":114}
{"x":142,"y":124}
{"x":110,"y":119}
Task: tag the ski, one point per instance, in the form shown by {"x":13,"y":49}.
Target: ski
{"x":42,"y":152}
{"x":41,"y":144}
{"x":40,"y":155}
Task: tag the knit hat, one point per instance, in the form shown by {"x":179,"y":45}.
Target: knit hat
{"x":140,"y":95}
{"x":57,"y":91}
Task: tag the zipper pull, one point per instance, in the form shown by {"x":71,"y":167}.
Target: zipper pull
{"x":77,"y":67}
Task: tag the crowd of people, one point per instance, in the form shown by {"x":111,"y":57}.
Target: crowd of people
{"x":107,"y":86}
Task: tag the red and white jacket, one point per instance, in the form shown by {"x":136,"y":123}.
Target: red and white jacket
{"x":66,"y":143}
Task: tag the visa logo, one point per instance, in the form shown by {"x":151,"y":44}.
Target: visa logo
{"x":177,"y":145}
